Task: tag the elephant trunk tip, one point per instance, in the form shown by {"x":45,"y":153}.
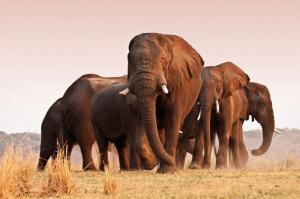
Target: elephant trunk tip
{"x":257,"y":152}
{"x":41,"y":166}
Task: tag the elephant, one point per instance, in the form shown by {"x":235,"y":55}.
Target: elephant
{"x":164,"y":74}
{"x":218,"y":85}
{"x":257,"y":103}
{"x":115,"y":119}
{"x":75,"y":120}
{"x":252,"y":100}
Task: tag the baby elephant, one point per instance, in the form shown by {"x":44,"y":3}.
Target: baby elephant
{"x":115,"y":120}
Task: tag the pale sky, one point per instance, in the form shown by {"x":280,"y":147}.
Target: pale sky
{"x":46,"y":45}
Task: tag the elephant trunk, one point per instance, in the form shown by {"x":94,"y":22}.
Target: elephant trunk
{"x":268,"y":127}
{"x":206,"y":127}
{"x":48,"y":147}
{"x":148,"y":113}
{"x":146,"y":85}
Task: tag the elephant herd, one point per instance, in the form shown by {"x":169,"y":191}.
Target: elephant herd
{"x":167,"y":105}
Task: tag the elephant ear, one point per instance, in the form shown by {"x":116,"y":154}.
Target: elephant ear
{"x":245,"y":104}
{"x":185,"y":64}
{"x":234,"y":78}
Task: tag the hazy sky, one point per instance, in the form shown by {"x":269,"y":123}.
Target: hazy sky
{"x":46,"y":45}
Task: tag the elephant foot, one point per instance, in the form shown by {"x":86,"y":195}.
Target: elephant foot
{"x":166,"y":168}
{"x":40,"y":168}
{"x":220,"y":165}
{"x":89,"y":167}
{"x":180,"y":167}
{"x":195,"y":166}
{"x":149,"y":165}
{"x":103,"y":166}
{"x":206,"y":166}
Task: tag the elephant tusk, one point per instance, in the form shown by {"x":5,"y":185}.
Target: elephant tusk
{"x":180,"y":132}
{"x":278,"y":132}
{"x":217,"y":106}
{"x":199,"y":115}
{"x":164,"y":89}
{"x":124,"y":92}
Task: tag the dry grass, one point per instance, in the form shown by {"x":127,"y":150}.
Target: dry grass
{"x":18,"y":179}
{"x":59,"y":178}
{"x":16,"y":172}
{"x":109,"y":183}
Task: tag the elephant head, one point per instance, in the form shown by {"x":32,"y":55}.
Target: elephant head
{"x":260,"y":108}
{"x":219,"y":81}
{"x":157,"y":65}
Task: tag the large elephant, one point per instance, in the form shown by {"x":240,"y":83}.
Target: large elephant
{"x":164,"y":74}
{"x":75,"y":117}
{"x":115,"y":119}
{"x":218,"y":85}
{"x":252,"y":100}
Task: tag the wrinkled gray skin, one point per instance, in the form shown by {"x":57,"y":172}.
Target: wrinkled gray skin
{"x":158,"y":60}
{"x":115,"y":120}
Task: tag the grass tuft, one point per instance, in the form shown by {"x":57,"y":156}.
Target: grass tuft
{"x":59,"y":179}
{"x":109,"y":183}
{"x":16,"y":172}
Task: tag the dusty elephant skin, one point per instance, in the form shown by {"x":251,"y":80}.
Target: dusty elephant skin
{"x":115,"y":120}
{"x":219,"y":82}
{"x":252,"y":100}
{"x":164,"y":74}
{"x":75,"y":120}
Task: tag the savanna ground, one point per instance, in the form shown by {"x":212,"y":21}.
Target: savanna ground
{"x":263,"y":180}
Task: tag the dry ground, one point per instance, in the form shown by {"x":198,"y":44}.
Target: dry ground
{"x":185,"y":184}
{"x":264,"y":179}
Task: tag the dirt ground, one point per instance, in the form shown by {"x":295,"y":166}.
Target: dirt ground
{"x":184,"y":184}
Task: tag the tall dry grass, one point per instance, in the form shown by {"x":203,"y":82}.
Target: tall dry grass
{"x":109,"y":182}
{"x":16,"y":172}
{"x":59,"y":178}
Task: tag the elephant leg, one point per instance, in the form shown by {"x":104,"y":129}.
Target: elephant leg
{"x":103,"y":150}
{"x":235,"y":145}
{"x":135,"y":163}
{"x":198,"y":152}
{"x":230,"y":153}
{"x":143,"y":149}
{"x":172,"y":132}
{"x":224,"y":135}
{"x":243,"y":150}
{"x":87,"y":160}
{"x":85,"y":137}
{"x":181,"y":154}
{"x":244,"y":155}
{"x":68,"y":150}
{"x":122,"y":148}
